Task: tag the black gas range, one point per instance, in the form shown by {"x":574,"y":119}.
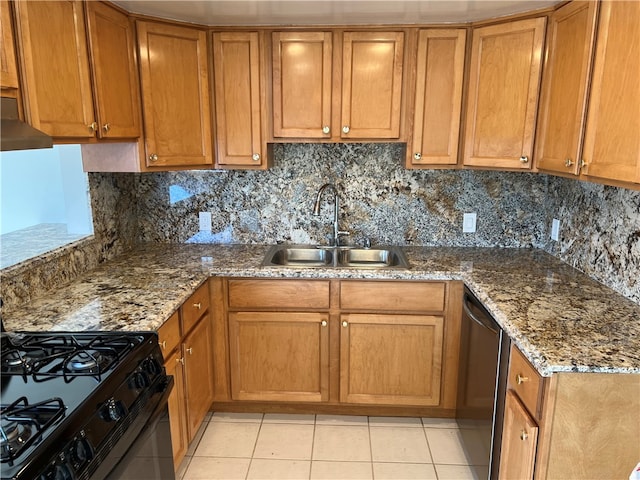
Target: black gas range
{"x":88,"y":405}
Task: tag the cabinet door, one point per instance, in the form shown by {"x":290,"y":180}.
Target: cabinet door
{"x":564,"y":89}
{"x":279,"y":356}
{"x":372,"y":75}
{"x":519,"y":441}
{"x":612,"y":138}
{"x":503,"y":94}
{"x":175,"y":95}
{"x":8,"y":67}
{"x":302,"y":72}
{"x":198,"y":363}
{"x":55,"y":66}
{"x":236,"y":65}
{"x":438,"y":98}
{"x":115,"y":77}
{"x":391,"y":359}
{"x":177,"y":408}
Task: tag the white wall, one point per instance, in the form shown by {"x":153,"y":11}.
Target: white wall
{"x":44,"y":186}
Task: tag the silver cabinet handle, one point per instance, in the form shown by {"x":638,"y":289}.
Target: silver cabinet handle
{"x":323,"y":323}
{"x":106,"y":127}
{"x":255,"y":157}
{"x":345,"y":323}
{"x":568,"y":162}
{"x":524,"y":159}
{"x":180,"y":360}
{"x":345,"y":129}
{"x":93,"y":126}
{"x":189,"y":350}
{"x":163,"y":344}
{"x":524,"y":435}
{"x":417,"y":156}
{"x":326,"y":129}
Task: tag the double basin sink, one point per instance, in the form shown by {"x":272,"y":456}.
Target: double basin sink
{"x":301,"y":256}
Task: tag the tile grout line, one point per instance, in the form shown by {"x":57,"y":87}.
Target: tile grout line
{"x":255,"y":445}
{"x":370,"y":445}
{"x":313,"y":441}
{"x":426,"y":437}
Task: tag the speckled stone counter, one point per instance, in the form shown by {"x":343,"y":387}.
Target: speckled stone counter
{"x":561,"y":319}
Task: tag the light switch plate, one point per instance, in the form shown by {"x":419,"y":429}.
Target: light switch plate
{"x":555,"y":229}
{"x":469,"y":223}
{"x":204,"y":219}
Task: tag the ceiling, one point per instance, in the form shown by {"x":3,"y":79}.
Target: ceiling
{"x":329,"y":12}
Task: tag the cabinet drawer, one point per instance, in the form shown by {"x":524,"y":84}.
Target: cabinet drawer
{"x":278,"y":293}
{"x":195,"y":306}
{"x":392,"y":296}
{"x":525,"y":381}
{"x":169,"y":335}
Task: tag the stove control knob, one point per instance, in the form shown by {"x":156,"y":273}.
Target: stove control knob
{"x":57,"y":472}
{"x":115,"y":410}
{"x":81,"y":451}
{"x":140,"y":380}
{"x":152,"y":367}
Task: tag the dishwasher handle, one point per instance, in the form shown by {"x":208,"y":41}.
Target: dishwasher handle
{"x":480,"y":321}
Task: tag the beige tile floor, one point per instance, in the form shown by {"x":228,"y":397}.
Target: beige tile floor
{"x":275,"y":446}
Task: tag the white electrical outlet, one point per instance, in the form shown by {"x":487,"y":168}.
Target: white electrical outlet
{"x":555,"y":229}
{"x":204,"y":219}
{"x":469,"y":223}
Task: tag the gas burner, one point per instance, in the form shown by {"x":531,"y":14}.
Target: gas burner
{"x":13,"y":436}
{"x":22,"y":424}
{"x":87,"y":361}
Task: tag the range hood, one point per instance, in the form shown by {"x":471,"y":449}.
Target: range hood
{"x":17,"y":135}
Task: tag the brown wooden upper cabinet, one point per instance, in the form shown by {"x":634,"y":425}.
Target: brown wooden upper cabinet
{"x":438,"y":98}
{"x":563,"y":102}
{"x":239,"y":99}
{"x":612,"y":137}
{"x":60,"y":98}
{"x":175,"y":95}
{"x":503,"y":94}
{"x":8,"y":66}
{"x":56,"y":85}
{"x":338,"y":85}
{"x":302,"y":73}
{"x":115,"y":77}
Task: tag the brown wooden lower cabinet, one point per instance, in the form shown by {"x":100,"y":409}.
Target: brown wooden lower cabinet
{"x":569,"y":426}
{"x":391,"y":359}
{"x":188,"y":355}
{"x":519,"y":441}
{"x":338,"y":347}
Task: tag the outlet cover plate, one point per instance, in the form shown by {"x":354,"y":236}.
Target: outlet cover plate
{"x":204,"y":219}
{"x":469,"y":223}
{"x":555,"y":229}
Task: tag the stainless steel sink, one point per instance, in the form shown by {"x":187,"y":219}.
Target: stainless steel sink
{"x":310,"y":256}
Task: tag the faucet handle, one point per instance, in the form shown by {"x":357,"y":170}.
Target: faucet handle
{"x":366,"y":243}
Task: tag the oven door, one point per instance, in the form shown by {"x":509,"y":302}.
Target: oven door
{"x":144,"y":452}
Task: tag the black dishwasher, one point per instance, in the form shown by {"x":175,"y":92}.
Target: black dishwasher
{"x":482,"y":378}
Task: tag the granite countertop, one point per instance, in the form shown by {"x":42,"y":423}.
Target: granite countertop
{"x":562,"y":320}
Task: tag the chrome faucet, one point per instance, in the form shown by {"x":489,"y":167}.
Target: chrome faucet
{"x":336,"y":210}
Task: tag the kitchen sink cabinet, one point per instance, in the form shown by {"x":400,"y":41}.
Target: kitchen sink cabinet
{"x":502,"y":98}
{"x":8,"y":65}
{"x":115,"y":75}
{"x":437,"y":98}
{"x":323,"y":84}
{"x":186,"y":341}
{"x":239,"y":99}
{"x":56,"y":82}
{"x":391,"y":359}
{"x":279,"y":356}
{"x":612,"y":136}
{"x":174,"y":81}
{"x":569,"y":51}
{"x":339,"y":343}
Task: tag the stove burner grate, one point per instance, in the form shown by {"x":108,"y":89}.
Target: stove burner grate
{"x":67,"y":356}
{"x":22,"y":424}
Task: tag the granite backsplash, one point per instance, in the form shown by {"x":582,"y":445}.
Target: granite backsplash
{"x":380,"y":199}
